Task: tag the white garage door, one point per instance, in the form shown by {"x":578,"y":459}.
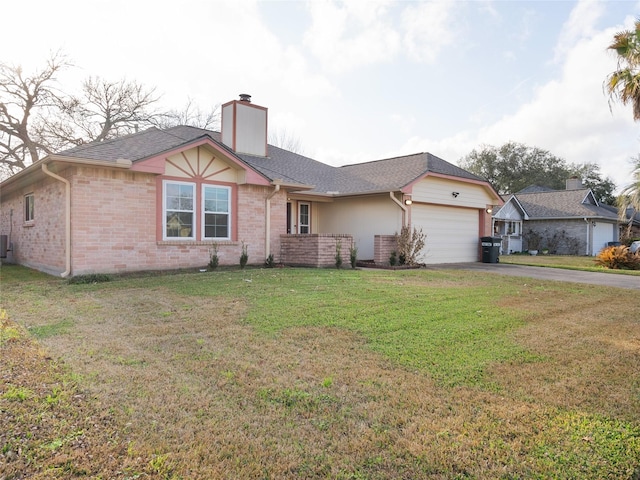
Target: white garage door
{"x":452,"y":233}
{"x":602,"y":234}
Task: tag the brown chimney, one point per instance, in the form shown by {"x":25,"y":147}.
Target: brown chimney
{"x":574,"y":183}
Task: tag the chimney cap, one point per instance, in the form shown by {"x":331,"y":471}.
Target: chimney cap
{"x":245,"y":97}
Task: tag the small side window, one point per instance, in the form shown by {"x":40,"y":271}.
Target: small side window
{"x":29,"y":207}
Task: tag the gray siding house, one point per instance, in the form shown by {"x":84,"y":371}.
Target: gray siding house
{"x":565,"y":222}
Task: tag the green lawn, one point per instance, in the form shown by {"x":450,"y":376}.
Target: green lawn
{"x":311,"y":373}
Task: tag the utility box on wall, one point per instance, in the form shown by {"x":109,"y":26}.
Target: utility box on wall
{"x":3,"y":246}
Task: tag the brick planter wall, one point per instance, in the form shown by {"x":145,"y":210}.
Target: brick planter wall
{"x":314,"y":250}
{"x":383,"y":245}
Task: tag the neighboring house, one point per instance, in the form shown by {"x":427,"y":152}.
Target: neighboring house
{"x":161,"y":199}
{"x":569,"y":222}
{"x":631,"y":226}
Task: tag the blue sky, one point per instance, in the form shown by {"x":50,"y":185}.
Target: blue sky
{"x":363,"y":80}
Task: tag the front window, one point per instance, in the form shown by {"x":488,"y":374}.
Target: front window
{"x":179,"y":212}
{"x":513,"y":228}
{"x":216,"y":212}
{"x":29,"y":207}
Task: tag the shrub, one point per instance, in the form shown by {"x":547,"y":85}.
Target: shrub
{"x":534,"y":240}
{"x":619,"y":258}
{"x":269,"y":262}
{"x":89,"y":278}
{"x":353,"y":255}
{"x":410,"y":245}
{"x":393,"y":258}
{"x":214,"y":260}
{"x":338,"y":256}
{"x":554,"y":240}
{"x":244,"y":256}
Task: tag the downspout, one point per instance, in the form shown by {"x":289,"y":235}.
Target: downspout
{"x":67,"y":220}
{"x":404,"y":209}
{"x":267,"y":240}
{"x":587,"y":242}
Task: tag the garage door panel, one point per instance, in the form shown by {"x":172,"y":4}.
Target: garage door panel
{"x":452,"y":233}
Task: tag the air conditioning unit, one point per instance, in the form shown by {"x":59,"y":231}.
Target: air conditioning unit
{"x":3,"y":246}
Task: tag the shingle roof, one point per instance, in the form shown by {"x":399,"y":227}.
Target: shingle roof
{"x":380,"y":175}
{"x":291,"y":167}
{"x":398,"y":172}
{"x":562,"y":204}
{"x":536,"y":189}
{"x":137,"y":146}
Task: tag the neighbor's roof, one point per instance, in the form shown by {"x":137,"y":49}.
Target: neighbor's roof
{"x":381,"y":175}
{"x":561,"y":204}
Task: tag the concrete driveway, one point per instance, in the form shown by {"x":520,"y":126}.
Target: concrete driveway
{"x":545,"y":273}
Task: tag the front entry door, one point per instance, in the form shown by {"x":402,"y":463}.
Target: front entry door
{"x":304,"y":217}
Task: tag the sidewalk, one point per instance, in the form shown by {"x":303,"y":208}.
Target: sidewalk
{"x":546,"y":273}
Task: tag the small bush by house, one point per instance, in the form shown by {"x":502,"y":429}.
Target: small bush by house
{"x":618,"y":258}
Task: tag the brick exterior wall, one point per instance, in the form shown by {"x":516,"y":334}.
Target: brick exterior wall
{"x":314,"y":250}
{"x":383,"y":245}
{"x":39,"y":244}
{"x":114,"y":218}
{"x":562,"y":237}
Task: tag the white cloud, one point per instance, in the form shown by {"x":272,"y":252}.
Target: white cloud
{"x":569,"y":116}
{"x":345,"y":36}
{"x":403,"y":122}
{"x":581,"y":24}
{"x":428,"y":28}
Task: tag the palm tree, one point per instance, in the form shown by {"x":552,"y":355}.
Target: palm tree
{"x":624,"y":85}
{"x":629,"y":199}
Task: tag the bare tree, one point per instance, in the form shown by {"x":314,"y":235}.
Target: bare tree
{"x":24,"y":101}
{"x":104,"y":110}
{"x":37,"y":118}
{"x":284,"y":139}
{"x":193,"y":116}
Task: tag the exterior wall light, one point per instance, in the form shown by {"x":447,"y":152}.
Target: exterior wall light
{"x":489,"y":210}
{"x":408,"y":201}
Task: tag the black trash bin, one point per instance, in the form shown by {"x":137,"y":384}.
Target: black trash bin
{"x":490,"y":249}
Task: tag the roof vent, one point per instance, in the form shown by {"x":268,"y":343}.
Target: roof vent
{"x":245,"y":97}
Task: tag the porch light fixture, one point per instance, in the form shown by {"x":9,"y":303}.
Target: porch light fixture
{"x":408,"y":201}
{"x":455,"y":194}
{"x":489,"y":210}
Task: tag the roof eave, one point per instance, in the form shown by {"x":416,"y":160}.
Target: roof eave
{"x":13,"y":182}
{"x":576,"y":217}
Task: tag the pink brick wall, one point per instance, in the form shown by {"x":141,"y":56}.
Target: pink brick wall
{"x":315,"y":250}
{"x":39,"y":244}
{"x":115,"y":217}
{"x":114,"y":225}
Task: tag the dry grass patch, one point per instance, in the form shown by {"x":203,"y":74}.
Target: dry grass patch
{"x":590,"y":352}
{"x":49,"y":426}
{"x":326,"y":374}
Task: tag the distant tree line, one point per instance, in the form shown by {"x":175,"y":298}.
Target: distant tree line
{"x":514,"y":166}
